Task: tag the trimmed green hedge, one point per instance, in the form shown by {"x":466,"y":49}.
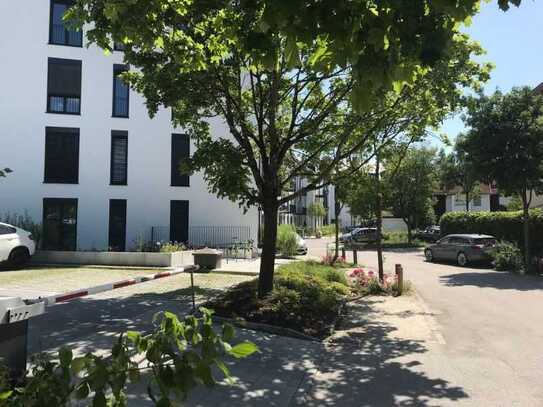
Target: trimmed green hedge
{"x":503,"y":225}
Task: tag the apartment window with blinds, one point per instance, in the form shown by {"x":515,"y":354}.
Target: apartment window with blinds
{"x":61,"y":155}
{"x":64,"y":86}
{"x":119,"y":157}
{"x":59,"y":32}
{"x":120,"y":92}
{"x":180,"y":152}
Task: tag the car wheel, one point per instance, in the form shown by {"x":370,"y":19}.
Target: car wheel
{"x":19,"y":256}
{"x":429,"y":255}
{"x":461,"y":259}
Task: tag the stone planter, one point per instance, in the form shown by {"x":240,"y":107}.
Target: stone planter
{"x":135,"y":259}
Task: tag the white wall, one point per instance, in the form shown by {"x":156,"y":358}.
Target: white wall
{"x":24,"y":49}
{"x":456,"y":203}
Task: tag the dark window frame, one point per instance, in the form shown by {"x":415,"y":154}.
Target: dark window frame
{"x":118,"y":69}
{"x":111,"y":236}
{"x":71,"y":132}
{"x":65,"y":43}
{"x":61,"y":200}
{"x":118,"y":46}
{"x":177,"y":179}
{"x":118,"y":134}
{"x":50,"y":94}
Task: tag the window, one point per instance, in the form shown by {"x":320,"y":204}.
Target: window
{"x":59,"y":32}
{"x":179,"y":221}
{"x":119,"y":157}
{"x":7,"y":230}
{"x":61,"y":155}
{"x":59,"y":224}
{"x":117,"y":225}
{"x":64,"y":86}
{"x":180,"y":152}
{"x":120,"y":92}
{"x":477,"y":200}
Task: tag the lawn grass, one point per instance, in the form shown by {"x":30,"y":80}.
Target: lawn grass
{"x":35,"y":275}
{"x":307,"y":297}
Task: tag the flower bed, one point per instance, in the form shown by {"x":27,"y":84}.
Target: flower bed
{"x":367,"y":282}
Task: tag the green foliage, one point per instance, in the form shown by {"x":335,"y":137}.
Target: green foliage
{"x":456,"y":170}
{"x":411,"y":182}
{"x":515,"y":204}
{"x":179,"y":355}
{"x":508,"y":257}
{"x":316,"y":209}
{"x":299,"y":91}
{"x":287,"y":242}
{"x":507,"y":226}
{"x":505,"y":140}
{"x":170,"y":247}
{"x":25,"y":222}
{"x":328,"y":230}
{"x":306,"y":297}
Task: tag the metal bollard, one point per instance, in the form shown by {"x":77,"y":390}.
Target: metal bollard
{"x":355,"y":257}
{"x":343,"y":252}
{"x":399,"y":276}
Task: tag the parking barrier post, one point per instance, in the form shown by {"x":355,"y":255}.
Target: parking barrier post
{"x":399,"y":276}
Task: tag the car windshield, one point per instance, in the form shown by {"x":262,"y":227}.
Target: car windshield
{"x":487,"y":241}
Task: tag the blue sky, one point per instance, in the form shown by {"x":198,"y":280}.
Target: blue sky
{"x":513,"y":41}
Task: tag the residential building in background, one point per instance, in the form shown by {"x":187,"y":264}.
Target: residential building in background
{"x":88,"y":162}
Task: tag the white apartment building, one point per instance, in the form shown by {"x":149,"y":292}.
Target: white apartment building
{"x":88,"y":162}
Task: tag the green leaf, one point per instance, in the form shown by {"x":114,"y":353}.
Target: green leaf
{"x":223,"y":368}
{"x":6,"y":394}
{"x":78,"y":364}
{"x":243,"y":349}
{"x":99,"y":400}
{"x":65,"y":357}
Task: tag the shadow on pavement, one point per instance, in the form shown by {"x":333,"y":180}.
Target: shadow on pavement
{"x":503,"y":280}
{"x":362,"y":365}
{"x":368,"y":367}
{"x":93,"y":324}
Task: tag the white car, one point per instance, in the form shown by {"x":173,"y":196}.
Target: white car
{"x":302,"y":246}
{"x":16,"y":245}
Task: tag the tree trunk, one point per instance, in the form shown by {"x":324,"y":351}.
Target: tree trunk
{"x":409,"y":232}
{"x":337,"y":210}
{"x":526,"y":230}
{"x":269,"y":242}
{"x":379,"y":216}
{"x":467,"y":201}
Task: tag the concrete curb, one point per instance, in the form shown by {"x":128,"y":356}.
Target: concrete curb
{"x":71,"y":295}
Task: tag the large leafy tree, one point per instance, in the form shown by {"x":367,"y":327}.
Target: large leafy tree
{"x":411,"y":180}
{"x":505,"y":144}
{"x":456,"y":171}
{"x":301,"y":85}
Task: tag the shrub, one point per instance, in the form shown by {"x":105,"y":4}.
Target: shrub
{"x":508,"y":257}
{"x":287,"y":241}
{"x":368,"y":283}
{"x":179,"y":355}
{"x":505,"y":226}
{"x":170,"y":247}
{"x":328,"y":230}
{"x":307,"y":297}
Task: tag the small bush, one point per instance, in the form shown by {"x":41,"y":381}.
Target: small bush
{"x":328,"y":230}
{"x":508,"y":257}
{"x":287,"y":242}
{"x":368,"y":283}
{"x":307,"y":297}
{"x":170,"y":247}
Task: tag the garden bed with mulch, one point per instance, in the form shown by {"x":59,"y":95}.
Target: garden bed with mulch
{"x":308,"y":297}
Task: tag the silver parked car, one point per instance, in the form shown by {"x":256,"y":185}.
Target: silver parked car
{"x":463,"y":249}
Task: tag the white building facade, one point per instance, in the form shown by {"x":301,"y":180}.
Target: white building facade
{"x":88,"y":162}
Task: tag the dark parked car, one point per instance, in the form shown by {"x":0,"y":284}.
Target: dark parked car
{"x":463,"y":249}
{"x":430,"y":234}
{"x":360,"y":235}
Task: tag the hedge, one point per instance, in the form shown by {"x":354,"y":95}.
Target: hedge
{"x":502,"y":225}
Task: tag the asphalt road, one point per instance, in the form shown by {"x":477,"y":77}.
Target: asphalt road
{"x":491,"y":323}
